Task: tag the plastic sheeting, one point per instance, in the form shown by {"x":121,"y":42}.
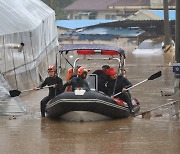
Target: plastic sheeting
{"x":30,"y":22}
{"x":96,"y":37}
{"x":113,"y":31}
{"x":22,"y":15}
{"x":75,"y":24}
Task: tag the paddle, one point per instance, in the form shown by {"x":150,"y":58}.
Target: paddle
{"x":14,"y":93}
{"x":152,"y":77}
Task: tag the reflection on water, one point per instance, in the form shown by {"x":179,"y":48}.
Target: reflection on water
{"x":31,"y":134}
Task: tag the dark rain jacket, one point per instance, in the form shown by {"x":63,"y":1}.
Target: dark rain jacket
{"x":77,"y":82}
{"x":51,"y":81}
{"x":121,"y":83}
{"x":102,"y":80}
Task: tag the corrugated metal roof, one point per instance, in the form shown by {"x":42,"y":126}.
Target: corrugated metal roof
{"x":17,"y":16}
{"x":75,"y":24}
{"x":152,"y":15}
{"x":90,"y":5}
{"x":144,"y":15}
{"x":160,"y":13}
{"x":113,"y":31}
{"x":96,"y":37}
{"x":132,"y":3}
{"x":104,"y":4}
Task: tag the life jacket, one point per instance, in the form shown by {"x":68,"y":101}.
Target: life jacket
{"x":120,"y":102}
{"x":69,"y":74}
{"x":68,"y":77}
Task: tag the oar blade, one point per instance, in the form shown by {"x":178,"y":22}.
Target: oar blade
{"x":14,"y":93}
{"x":154,"y":76}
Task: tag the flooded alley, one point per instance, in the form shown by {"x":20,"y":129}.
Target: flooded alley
{"x":156,"y":135}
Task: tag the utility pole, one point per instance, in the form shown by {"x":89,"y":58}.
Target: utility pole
{"x":167,"y":40}
{"x":176,"y":65}
{"x":177,"y":35}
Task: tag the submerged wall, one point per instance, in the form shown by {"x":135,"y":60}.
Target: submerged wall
{"x":28,"y":41}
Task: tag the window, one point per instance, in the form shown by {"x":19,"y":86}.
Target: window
{"x":110,"y":17}
{"x":77,"y":17}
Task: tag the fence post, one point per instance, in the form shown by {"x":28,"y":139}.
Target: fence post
{"x":176,"y":107}
{"x":170,"y":111}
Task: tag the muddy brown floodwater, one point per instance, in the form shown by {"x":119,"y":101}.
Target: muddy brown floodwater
{"x":30,"y":134}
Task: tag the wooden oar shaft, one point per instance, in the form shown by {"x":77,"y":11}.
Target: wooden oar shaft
{"x":132,"y":86}
{"x":137,"y":84}
{"x":29,"y":90}
{"x":152,"y":77}
{"x":14,"y":93}
{"x":36,"y":88}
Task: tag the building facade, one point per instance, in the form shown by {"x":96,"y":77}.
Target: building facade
{"x":111,"y":9}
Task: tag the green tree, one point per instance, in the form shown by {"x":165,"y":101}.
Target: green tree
{"x":58,"y":5}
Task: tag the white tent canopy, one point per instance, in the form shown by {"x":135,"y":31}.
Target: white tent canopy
{"x":22,"y":15}
{"x":31,"y":23}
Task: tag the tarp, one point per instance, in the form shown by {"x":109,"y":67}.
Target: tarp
{"x":76,"y":24}
{"x":32,"y":23}
{"x":172,"y":14}
{"x":113,"y":31}
{"x":22,"y":15}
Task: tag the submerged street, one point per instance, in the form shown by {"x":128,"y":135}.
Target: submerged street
{"x":158,"y":135}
